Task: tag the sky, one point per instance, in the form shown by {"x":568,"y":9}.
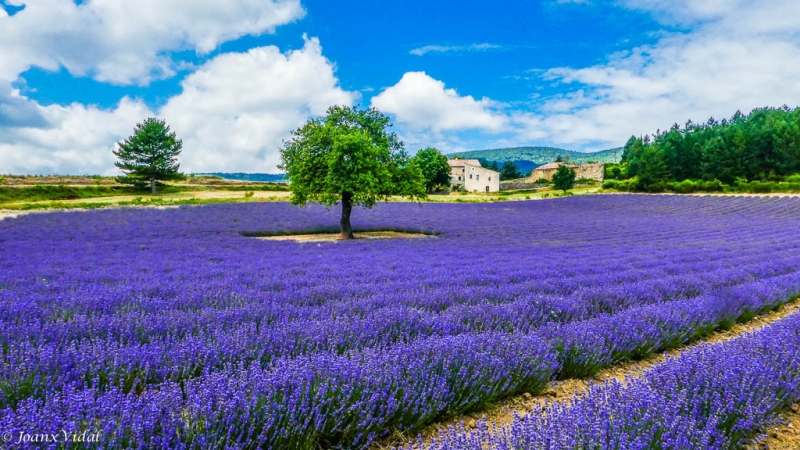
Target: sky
{"x":234,"y":78}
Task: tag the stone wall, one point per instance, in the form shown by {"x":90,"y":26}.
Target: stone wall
{"x":593,"y":171}
{"x":518,"y":185}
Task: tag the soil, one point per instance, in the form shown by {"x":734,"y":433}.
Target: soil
{"x":783,"y":437}
{"x":10,"y":214}
{"x":504,"y":412}
{"x":335,"y":237}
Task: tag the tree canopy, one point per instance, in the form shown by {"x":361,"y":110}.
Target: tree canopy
{"x":434,"y":167}
{"x":763,"y":145}
{"x":349,"y":156}
{"x":564,"y":178}
{"x":510,"y":171}
{"x":149,"y":155}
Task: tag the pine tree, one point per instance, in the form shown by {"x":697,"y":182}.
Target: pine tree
{"x":149,"y":155}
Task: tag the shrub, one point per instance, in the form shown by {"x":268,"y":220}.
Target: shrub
{"x":713,"y":186}
{"x":790,"y":179}
{"x":631,"y":185}
{"x":542,"y":181}
{"x":684,"y":187}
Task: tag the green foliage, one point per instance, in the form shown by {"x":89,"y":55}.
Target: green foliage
{"x":542,"y":181}
{"x":564,"y":178}
{"x":349,"y":155}
{"x":149,"y":155}
{"x":629,"y":185}
{"x":616,"y":171}
{"x":536,"y":155}
{"x":58,"y":192}
{"x":690,"y":186}
{"x":652,"y":169}
{"x":434,"y":167}
{"x":510,"y":171}
{"x":763,"y":146}
{"x":249,"y":194}
{"x":491,"y":165}
{"x":764,"y":187}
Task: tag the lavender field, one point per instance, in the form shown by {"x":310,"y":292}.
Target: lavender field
{"x":171,"y":329}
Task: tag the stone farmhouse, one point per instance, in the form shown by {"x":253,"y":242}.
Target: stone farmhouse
{"x":470,"y":174}
{"x":592,"y":171}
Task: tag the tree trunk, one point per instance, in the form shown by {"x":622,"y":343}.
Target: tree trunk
{"x":347,"y":208}
{"x":153,"y":185}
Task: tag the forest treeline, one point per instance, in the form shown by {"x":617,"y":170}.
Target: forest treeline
{"x":760,"y":147}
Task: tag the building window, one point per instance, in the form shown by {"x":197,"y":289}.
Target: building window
{"x":490,"y":178}
{"x":459,"y":178}
{"x":477,"y":178}
{"x":470,"y":176}
{"x":463,"y":170}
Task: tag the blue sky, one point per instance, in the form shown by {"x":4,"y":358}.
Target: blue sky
{"x":234,"y":78}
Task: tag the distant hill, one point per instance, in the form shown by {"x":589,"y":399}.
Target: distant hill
{"x":254,"y":177}
{"x":528,"y":158}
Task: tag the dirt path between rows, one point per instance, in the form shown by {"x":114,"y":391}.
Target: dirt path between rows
{"x":10,"y":214}
{"x":336,"y":237}
{"x":783,"y":437}
{"x":503,"y":413}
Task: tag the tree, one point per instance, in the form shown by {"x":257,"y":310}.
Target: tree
{"x":509,"y":171}
{"x":348,"y":156}
{"x":653,"y":169}
{"x":491,"y":165}
{"x":564,"y":178}
{"x":149,"y":155}
{"x":434,"y":167}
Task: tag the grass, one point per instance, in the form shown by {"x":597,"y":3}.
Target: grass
{"x":30,"y":197}
{"x":135,"y":201}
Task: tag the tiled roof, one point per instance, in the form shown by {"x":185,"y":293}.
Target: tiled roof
{"x":463,"y":162}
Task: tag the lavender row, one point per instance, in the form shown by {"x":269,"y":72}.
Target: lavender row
{"x":328,"y":400}
{"x":162,"y":327}
{"x":242,"y":345}
{"x":223,"y":339}
{"x":715,"y":397}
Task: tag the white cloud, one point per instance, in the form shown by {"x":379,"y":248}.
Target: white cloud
{"x":232,"y":116}
{"x":125,"y":42}
{"x":422,"y":103}
{"x":77,"y":140}
{"x":723,"y":56}
{"x":739,"y":55}
{"x":454,"y":48}
{"x":234,"y":112}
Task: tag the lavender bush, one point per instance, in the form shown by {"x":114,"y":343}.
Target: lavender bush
{"x":169,"y":328}
{"x":714,"y":397}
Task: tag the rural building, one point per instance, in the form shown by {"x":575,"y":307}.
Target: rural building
{"x":592,"y":171}
{"x":470,"y":174}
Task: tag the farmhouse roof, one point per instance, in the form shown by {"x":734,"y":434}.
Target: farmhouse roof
{"x":554,"y":165}
{"x":463,"y":162}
